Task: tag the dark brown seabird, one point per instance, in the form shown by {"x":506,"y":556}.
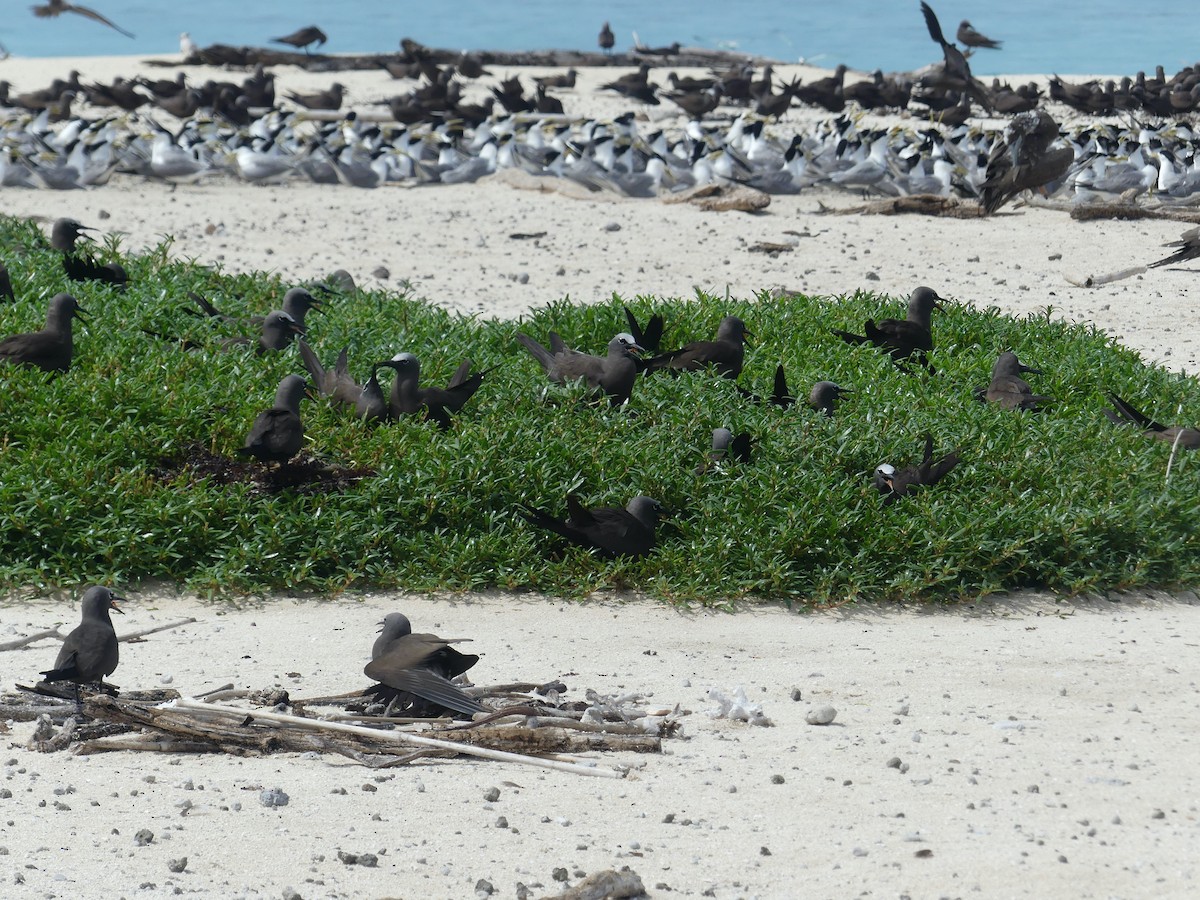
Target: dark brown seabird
{"x":613,"y":374}
{"x":303,"y":38}
{"x":6,"y":288}
{"x":335,"y":382}
{"x":1023,"y":159}
{"x":894,"y":484}
{"x":277,"y":433}
{"x":55,"y":8}
{"x":726,"y":445}
{"x":726,"y":352}
{"x":608,"y":529}
{"x":969,"y":37}
{"x":414,"y":670}
{"x":90,"y":651}
{"x":64,"y":237}
{"x":408,"y":397}
{"x":1189,"y":248}
{"x":902,"y":338}
{"x":1008,"y":389}
{"x":606,"y":40}
{"x":1124,"y":414}
{"x":50,"y":349}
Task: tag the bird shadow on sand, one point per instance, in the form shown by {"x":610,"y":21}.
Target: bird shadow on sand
{"x":305,"y":474}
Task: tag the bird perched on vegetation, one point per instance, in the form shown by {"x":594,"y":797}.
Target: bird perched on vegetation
{"x":90,"y":651}
{"x":6,"y":288}
{"x":901,"y":338}
{"x":613,"y":374}
{"x":895,"y":484}
{"x":608,"y":529}
{"x":726,"y":352}
{"x":79,"y":266}
{"x":969,"y":37}
{"x":1023,"y":159}
{"x":1124,"y":414}
{"x":408,"y":397}
{"x":52,"y":348}
{"x":824,"y":396}
{"x":335,"y":382}
{"x":303,"y":37}
{"x":725,"y":446}
{"x":55,"y":8}
{"x":1008,"y":389}
{"x":277,"y":433}
{"x":414,"y":670}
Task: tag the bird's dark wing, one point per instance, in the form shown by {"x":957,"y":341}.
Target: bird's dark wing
{"x":89,"y":13}
{"x":931,"y":22}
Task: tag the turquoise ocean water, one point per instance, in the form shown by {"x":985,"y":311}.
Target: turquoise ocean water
{"x":1098,"y":36}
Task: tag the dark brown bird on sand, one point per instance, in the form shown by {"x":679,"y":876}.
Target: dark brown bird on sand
{"x":1189,"y":248}
{"x":726,"y":352}
{"x":1124,"y":414}
{"x":1023,"y":160}
{"x":304,"y":37}
{"x":56,"y":8}
{"x":90,"y":651}
{"x":969,"y":37}
{"x":51,"y":348}
{"x":609,"y":529}
{"x":606,"y":39}
{"x":414,"y":670}
{"x":902,"y":338}
{"x":894,"y":484}
{"x":328,"y":99}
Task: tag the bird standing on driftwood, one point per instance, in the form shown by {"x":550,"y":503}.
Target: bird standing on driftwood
{"x":56,"y":8}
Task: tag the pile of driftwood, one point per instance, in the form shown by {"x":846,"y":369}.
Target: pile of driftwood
{"x":524,"y":727}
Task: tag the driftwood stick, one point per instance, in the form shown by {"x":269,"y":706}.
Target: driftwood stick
{"x":26,"y":641}
{"x":134,"y":635}
{"x":1096,"y":280}
{"x":403,"y":738}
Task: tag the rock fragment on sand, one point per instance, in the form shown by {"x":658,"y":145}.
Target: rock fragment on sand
{"x":273,"y":797}
{"x":143,"y":837}
{"x":821,"y":715}
{"x":177,"y":865}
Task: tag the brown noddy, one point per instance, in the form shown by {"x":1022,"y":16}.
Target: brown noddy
{"x":334,"y":383}
{"x":893,"y":484}
{"x":1189,"y":248}
{"x":79,"y":266}
{"x":278,"y":331}
{"x":726,"y":445}
{"x":1124,"y":414}
{"x":647,"y":338}
{"x":330,"y":98}
{"x":901,"y":338}
{"x":303,"y":38}
{"x":418,"y":667}
{"x":55,"y":8}
{"x":824,"y":396}
{"x":6,"y":288}
{"x":955,"y":71}
{"x":51,"y":348}
{"x":606,"y":39}
{"x":1023,"y":159}
{"x":1008,"y":389}
{"x":726,"y":352}
{"x":613,"y":374}
{"x":277,"y":433}
{"x":408,"y":397}
{"x":371,"y":403}
{"x":969,"y":37}
{"x":609,"y":529}
{"x":90,"y":651}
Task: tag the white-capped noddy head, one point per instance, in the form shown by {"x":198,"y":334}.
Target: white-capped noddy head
{"x":625,"y":343}
{"x":885,"y":473}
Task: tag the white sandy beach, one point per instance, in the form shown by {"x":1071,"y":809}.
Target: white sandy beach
{"x":1046,"y":747}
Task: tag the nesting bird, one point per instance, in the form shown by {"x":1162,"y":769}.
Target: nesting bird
{"x":613,"y":374}
{"x":64,"y":237}
{"x":725,"y":353}
{"x":408,"y":397}
{"x":414,"y":670}
{"x":610,"y":530}
{"x":901,"y":338}
{"x":52,"y":348}
{"x":893,"y":484}
{"x":1008,"y":389}
{"x":726,"y":446}
{"x":277,"y":433}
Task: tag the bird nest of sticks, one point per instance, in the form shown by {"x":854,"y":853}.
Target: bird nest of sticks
{"x":525,"y":723}
{"x":304,"y":474}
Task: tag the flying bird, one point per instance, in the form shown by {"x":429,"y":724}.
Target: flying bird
{"x":969,"y":37}
{"x":56,"y":8}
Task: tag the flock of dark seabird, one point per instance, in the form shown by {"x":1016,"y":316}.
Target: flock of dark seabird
{"x":246,"y":131}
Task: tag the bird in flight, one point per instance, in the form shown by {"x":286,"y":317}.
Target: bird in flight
{"x":56,"y":8}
